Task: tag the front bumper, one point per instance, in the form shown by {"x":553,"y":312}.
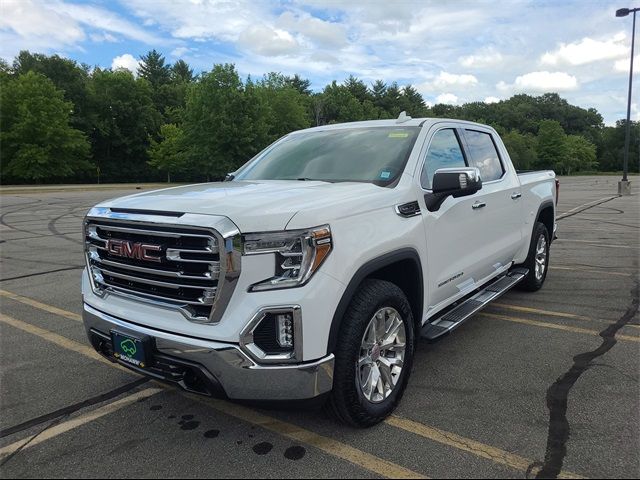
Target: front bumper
{"x":214,"y":368}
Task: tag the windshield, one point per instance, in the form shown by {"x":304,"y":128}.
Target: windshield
{"x":374,"y":154}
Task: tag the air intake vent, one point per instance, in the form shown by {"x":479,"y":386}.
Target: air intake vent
{"x":409,"y":209}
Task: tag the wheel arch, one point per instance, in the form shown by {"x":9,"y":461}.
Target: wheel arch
{"x":401,"y":267}
{"x":546,"y":215}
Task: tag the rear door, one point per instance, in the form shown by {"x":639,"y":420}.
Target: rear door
{"x":498,"y":204}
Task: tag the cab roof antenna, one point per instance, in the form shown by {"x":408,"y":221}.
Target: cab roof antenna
{"x":403,"y":117}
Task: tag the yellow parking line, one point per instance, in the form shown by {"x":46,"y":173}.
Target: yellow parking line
{"x":566,"y":328}
{"x":519,"y":308}
{"x":595,"y":243}
{"x":40,"y":305}
{"x":326,"y":444}
{"x":332,"y":447}
{"x":589,"y":270}
{"x":59,"y":340}
{"x":77,"y":422}
{"x":344,"y":451}
{"x":476,"y":448}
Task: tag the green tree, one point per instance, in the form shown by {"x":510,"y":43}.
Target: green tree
{"x":552,"y":149}
{"x":69,"y":77}
{"x":37,"y":140}
{"x":582,"y":154}
{"x":168,"y":155}
{"x":302,"y":85}
{"x":412,"y":102}
{"x":181,"y":72}
{"x":358,"y":89}
{"x":287,"y":107}
{"x":521,"y":148}
{"x":123,"y":119}
{"x":153,"y":69}
{"x":224,"y":123}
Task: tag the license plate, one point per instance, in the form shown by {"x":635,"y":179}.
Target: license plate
{"x":130,"y":349}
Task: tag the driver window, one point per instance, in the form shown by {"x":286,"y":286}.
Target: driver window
{"x":444,"y":152}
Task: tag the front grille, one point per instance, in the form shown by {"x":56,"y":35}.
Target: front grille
{"x":182,"y":269}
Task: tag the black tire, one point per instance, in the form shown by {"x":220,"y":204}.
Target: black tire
{"x":533,"y":282}
{"x":347,"y":401}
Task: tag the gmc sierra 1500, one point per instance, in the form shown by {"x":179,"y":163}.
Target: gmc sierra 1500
{"x":313,"y":269}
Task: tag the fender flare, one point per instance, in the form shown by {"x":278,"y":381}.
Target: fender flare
{"x":544,"y":205}
{"x":362,"y":273}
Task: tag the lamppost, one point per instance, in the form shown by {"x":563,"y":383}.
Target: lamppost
{"x":624,"y":186}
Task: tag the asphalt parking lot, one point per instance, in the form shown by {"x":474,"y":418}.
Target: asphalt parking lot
{"x":537,"y":384}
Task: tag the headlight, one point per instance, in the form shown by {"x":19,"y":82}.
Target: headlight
{"x":299,"y":253}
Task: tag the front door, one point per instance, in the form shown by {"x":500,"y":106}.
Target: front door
{"x":455,"y":261}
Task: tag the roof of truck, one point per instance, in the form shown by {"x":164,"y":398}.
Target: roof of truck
{"x":399,"y":123}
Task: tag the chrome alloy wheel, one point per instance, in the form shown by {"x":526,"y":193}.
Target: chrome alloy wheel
{"x":381,"y":355}
{"x":541,"y":257}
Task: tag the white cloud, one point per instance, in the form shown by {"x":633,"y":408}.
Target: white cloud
{"x":446,"y":80}
{"x":540,"y":82}
{"x":127,"y":62}
{"x":491,"y":100}
{"x":38,"y":26}
{"x":268,"y":41}
{"x":323,"y":33}
{"x":103,"y":37}
{"x":586,"y":51}
{"x":447,"y":98}
{"x":483,"y":59}
{"x":56,"y":25}
{"x":180,"y":51}
{"x":623,"y":64}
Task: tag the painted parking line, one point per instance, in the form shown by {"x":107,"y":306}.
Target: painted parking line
{"x":328,"y":445}
{"x":358,"y":457}
{"x":478,"y":449}
{"x":59,"y":340}
{"x":41,"y":306}
{"x":555,"y":326}
{"x":595,"y":243}
{"x":585,"y":206}
{"x":61,"y":428}
{"x":538,"y":311}
{"x":590,"y":270}
{"x":299,"y":434}
{"x":551,"y":313}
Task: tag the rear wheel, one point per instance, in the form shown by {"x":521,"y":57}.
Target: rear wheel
{"x":374,"y":354}
{"x":537,"y":261}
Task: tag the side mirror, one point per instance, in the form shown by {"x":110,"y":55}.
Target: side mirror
{"x":455,"y":182}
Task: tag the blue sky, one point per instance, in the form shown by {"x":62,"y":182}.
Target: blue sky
{"x":452,"y":51}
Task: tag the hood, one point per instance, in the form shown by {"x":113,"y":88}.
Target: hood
{"x":254,"y":205}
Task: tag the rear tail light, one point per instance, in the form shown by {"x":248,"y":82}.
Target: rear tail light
{"x":557,"y":191}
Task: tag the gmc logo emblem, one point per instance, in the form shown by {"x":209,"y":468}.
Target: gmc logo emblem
{"x":135,"y":250}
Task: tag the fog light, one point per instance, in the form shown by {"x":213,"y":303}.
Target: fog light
{"x":285,"y":330}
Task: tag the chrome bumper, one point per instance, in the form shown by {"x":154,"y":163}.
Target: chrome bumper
{"x":223,"y":364}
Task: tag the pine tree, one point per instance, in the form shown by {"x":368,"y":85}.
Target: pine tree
{"x":153,"y":69}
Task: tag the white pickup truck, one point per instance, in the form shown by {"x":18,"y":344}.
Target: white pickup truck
{"x":312,"y":270}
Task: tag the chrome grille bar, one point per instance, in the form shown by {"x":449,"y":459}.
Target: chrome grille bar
{"x":184,"y":270}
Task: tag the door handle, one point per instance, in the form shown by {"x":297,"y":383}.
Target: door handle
{"x":478,"y":205}
{"x":516,"y":195}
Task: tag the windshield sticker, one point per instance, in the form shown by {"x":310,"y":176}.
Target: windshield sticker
{"x":398,"y":134}
{"x":385,"y":175}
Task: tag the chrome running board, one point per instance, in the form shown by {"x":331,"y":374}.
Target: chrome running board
{"x":454,"y":317}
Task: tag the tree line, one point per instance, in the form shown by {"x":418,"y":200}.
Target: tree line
{"x":64,"y":121}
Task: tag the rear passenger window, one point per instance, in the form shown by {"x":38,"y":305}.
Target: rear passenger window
{"x":484,"y":155}
{"x":444,"y":152}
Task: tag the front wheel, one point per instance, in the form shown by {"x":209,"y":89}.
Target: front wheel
{"x":374,"y":354}
{"x":538,"y":259}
